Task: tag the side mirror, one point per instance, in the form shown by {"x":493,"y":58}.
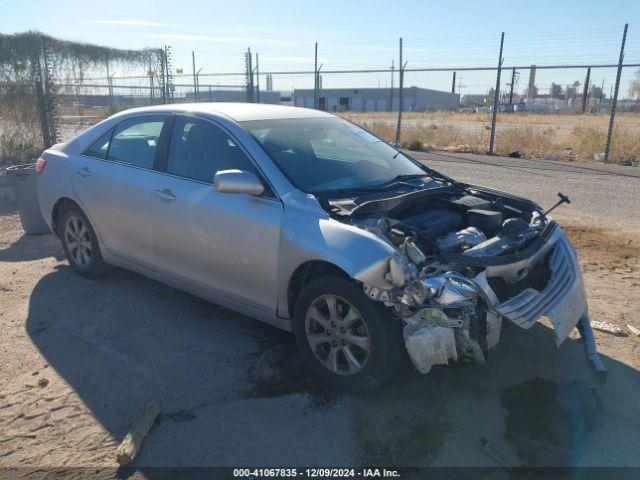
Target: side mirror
{"x":237,"y":181}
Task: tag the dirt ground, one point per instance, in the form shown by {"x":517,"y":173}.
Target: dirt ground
{"x":79,"y":359}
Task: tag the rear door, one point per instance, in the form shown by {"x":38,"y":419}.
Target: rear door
{"x":114,"y":182}
{"x":224,"y":243}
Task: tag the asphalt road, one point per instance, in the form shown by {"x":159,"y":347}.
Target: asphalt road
{"x":607,"y":195}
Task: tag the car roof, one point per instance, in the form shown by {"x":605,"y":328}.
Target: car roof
{"x":239,"y":112}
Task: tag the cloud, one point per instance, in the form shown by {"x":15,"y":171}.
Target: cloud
{"x":222,"y":39}
{"x":129,"y":22}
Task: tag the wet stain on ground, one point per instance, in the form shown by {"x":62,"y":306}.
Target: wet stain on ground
{"x":548,"y":422}
{"x":280,"y":370}
{"x":404,"y":423}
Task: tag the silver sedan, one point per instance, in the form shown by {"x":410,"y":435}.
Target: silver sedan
{"x":303,"y":220}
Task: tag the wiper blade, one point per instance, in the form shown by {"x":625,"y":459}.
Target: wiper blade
{"x":401,"y":178}
{"x":409,"y":176}
{"x":380,"y":186}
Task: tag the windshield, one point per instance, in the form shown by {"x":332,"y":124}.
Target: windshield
{"x":329,"y":153}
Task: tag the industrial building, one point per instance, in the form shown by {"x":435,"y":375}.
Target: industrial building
{"x":240,"y":95}
{"x":377,"y":99}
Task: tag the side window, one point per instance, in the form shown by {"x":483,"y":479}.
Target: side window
{"x":135,"y":141}
{"x":99,"y":148}
{"x":199,"y":149}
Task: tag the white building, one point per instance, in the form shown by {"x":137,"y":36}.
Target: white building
{"x":377,"y":99}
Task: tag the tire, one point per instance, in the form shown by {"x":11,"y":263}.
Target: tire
{"x":80,"y":243}
{"x":378,"y":357}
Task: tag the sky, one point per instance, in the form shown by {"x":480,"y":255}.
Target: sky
{"x":352,"y":35}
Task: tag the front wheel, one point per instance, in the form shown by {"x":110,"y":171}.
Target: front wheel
{"x":349,"y":341}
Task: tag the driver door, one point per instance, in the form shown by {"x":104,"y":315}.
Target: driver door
{"x":224,"y":243}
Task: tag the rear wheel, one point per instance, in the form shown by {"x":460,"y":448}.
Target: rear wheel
{"x":351,"y":342}
{"x":80,"y":243}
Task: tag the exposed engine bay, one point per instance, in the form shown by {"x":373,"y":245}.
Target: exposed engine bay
{"x":467,"y":258}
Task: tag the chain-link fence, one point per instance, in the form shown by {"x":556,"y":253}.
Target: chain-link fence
{"x":24,"y":114}
{"x":51,"y":89}
{"x":422,"y":97}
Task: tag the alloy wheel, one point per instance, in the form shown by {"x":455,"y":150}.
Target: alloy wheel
{"x":337,"y":335}
{"x":76,"y":235}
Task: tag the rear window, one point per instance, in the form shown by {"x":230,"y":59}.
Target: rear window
{"x":100,"y":147}
{"x":135,"y":141}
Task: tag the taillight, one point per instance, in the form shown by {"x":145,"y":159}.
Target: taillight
{"x":40,"y":164}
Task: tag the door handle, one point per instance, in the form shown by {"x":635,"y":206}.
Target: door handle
{"x":83,"y":172}
{"x":165,"y":194}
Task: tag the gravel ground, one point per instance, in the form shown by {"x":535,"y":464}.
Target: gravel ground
{"x":79,"y":358}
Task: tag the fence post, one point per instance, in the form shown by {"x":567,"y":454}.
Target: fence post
{"x":160,"y":54}
{"x":513,"y":80}
{"x":165,"y":63}
{"x":43,"y":72}
{"x":41,"y":102}
{"x":400,"y":95}
{"x":391,"y":89}
{"x":109,"y":88}
{"x":195,"y":76}
{"x":585,"y":90}
{"x":453,"y":83}
{"x":151,"y":86}
{"x":257,"y":78}
{"x":496,"y":97}
{"x":315,"y":77}
{"x":614,"y":103}
{"x":249,"y":73}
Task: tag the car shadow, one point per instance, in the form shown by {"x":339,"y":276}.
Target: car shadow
{"x":32,"y":247}
{"x":233,"y":391}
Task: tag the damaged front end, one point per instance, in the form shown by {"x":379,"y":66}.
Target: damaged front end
{"x":467,"y":258}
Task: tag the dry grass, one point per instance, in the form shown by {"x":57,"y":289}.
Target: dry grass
{"x":565,"y":136}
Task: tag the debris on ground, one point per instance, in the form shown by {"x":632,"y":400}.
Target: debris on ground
{"x":608,"y":327}
{"x":132,"y":442}
{"x":550,"y":157}
{"x":633,"y":330}
{"x":515,"y":154}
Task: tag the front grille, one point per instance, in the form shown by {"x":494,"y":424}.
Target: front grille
{"x":527,"y":307}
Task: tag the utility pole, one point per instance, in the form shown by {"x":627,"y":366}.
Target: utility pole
{"x":614,"y":101}
{"x":585,"y":90}
{"x":401,"y":66}
{"x":495,"y":98}
{"x":195,"y":78}
{"x":391,"y":89}
{"x":453,"y":83}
